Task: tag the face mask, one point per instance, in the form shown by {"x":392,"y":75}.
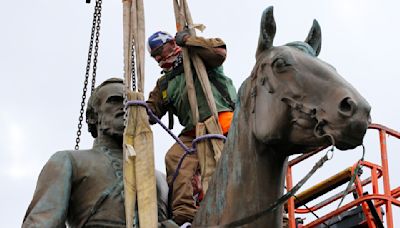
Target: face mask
{"x":168,"y":62}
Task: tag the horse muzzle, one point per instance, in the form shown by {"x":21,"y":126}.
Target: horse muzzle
{"x":346,"y":129}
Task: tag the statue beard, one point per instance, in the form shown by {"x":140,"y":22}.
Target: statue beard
{"x":168,"y":62}
{"x":112,"y":132}
{"x":113,"y":127}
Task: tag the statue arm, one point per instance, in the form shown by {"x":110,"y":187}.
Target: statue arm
{"x":49,"y":205}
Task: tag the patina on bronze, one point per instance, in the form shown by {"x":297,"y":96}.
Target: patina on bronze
{"x":84,"y":188}
{"x":292,"y":103}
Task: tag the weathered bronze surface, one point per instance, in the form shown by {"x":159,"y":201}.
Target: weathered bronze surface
{"x":85,"y":187}
{"x":292,"y":103}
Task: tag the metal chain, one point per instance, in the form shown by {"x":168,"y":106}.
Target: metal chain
{"x":95,"y":31}
{"x":96,"y":46}
{"x":133,"y":79}
{"x":133,"y":65}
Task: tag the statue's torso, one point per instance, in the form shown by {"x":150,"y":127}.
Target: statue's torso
{"x":97,"y":188}
{"x":84,"y":189}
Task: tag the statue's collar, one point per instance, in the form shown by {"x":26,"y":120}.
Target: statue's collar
{"x":107,"y":142}
{"x":108,"y":146}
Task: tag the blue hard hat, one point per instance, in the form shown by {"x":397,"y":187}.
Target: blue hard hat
{"x":158,"y":39}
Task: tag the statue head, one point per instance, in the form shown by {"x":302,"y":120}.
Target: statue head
{"x":105,"y":110}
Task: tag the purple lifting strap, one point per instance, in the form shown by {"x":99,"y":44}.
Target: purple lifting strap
{"x":154,"y":117}
{"x":184,"y":147}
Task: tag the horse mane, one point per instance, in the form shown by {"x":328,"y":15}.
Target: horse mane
{"x":304,"y":47}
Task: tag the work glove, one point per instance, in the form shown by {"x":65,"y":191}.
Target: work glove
{"x":181,"y":37}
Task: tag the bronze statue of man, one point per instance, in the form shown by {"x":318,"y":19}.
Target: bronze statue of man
{"x":84,"y":188}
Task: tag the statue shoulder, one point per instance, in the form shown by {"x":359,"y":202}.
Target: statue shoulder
{"x":69,"y":156}
{"x":69,"y":153}
{"x":61,"y":155}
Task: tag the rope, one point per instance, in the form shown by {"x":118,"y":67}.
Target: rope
{"x":207,"y":136}
{"x":180,"y":143}
{"x":286,"y":196}
{"x":357,"y":170}
{"x":312,"y":212}
{"x":155,"y":118}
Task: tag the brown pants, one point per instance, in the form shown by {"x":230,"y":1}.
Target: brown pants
{"x":182,"y":203}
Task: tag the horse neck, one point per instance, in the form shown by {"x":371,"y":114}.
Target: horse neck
{"x":249,"y":178}
{"x":257,"y":174}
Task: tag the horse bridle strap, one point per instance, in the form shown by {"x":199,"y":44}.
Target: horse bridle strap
{"x":286,"y":196}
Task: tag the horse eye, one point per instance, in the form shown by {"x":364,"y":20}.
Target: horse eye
{"x":279,"y":65}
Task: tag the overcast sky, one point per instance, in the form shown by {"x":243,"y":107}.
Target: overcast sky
{"x":43,"y":52}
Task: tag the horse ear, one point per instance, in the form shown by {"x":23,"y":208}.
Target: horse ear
{"x":314,"y":37}
{"x":267,"y":30}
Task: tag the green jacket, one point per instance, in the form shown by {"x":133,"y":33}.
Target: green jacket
{"x":176,"y":99}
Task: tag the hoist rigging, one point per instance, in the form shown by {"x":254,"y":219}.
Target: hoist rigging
{"x":94,"y":39}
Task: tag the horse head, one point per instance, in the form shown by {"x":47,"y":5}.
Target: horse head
{"x":309,"y":102}
{"x":292,"y":103}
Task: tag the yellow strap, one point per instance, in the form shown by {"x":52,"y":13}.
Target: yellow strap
{"x":208,"y":151}
{"x":139,"y":169}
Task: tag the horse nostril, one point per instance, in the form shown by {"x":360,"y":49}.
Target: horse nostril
{"x":347,"y":107}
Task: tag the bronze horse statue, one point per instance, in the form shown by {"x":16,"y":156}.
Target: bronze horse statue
{"x":291,"y":103}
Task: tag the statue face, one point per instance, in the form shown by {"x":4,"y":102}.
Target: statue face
{"x":110,"y":109}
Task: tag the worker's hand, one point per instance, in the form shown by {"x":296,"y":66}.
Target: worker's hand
{"x":181,"y":37}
